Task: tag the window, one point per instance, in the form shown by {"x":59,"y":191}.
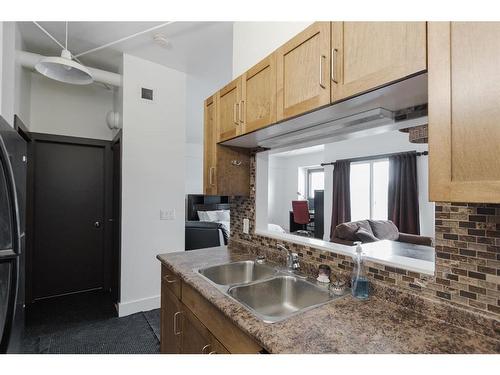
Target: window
{"x":369,"y":190}
{"x":315,"y":181}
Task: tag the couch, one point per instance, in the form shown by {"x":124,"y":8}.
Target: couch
{"x":374,"y":230}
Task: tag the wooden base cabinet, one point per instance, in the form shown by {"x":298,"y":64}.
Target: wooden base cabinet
{"x":464,"y":108}
{"x":197,"y":339}
{"x":171,"y":309}
{"x":191,"y":325}
{"x":367,"y":55}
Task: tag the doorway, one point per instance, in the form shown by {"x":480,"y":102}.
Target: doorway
{"x":71,"y":189}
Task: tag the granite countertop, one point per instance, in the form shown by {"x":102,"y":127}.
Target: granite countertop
{"x":345,"y":325}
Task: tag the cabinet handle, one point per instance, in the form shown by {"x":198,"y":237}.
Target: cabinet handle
{"x":170,"y":281}
{"x":334,"y":60}
{"x":211,"y":176}
{"x":205,"y":348}
{"x":240,"y":111}
{"x":214,"y":352}
{"x":176,"y":331}
{"x":236,"y":163}
{"x":321,"y":58}
{"x":235,"y":113}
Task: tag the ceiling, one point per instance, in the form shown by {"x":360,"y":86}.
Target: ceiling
{"x":193,"y":47}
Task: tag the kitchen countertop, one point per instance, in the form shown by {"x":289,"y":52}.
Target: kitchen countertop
{"x":344,"y":325}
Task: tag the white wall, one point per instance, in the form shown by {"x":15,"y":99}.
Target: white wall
{"x":1,"y":64}
{"x":7,"y":70}
{"x":194,"y":168}
{"x":15,"y":81}
{"x":252,"y":41}
{"x":198,"y":88}
{"x":72,"y":110}
{"x":374,"y":145}
{"x":22,"y":94}
{"x":153,"y":174}
{"x":285,"y":182}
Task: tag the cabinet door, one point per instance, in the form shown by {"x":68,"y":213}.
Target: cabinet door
{"x":210,"y":141}
{"x":303,"y":66}
{"x":233,"y":171}
{"x":228,"y":110}
{"x":258,"y":102}
{"x":464,"y":92}
{"x":171,"y":315}
{"x":366,"y":55}
{"x":197,"y":339}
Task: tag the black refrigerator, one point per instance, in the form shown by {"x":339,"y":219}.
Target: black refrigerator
{"x":12,"y":238}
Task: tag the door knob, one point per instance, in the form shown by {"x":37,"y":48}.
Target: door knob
{"x":97,"y":224}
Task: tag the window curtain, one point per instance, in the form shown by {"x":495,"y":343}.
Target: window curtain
{"x":403,"y":192}
{"x":341,"y":201}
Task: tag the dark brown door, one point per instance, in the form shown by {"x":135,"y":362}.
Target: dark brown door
{"x":116,"y":220}
{"x":69,"y":217}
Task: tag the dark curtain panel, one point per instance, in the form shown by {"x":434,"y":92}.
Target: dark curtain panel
{"x":403,"y":192}
{"x":341,"y":202}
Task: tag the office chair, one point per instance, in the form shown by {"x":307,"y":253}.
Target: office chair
{"x":301,"y":216}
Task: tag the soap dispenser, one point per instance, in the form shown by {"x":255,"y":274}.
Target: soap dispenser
{"x":359,"y":282}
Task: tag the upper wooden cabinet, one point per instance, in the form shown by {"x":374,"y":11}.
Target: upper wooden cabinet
{"x":209,"y":149}
{"x":258,"y":95}
{"x":226,"y":170}
{"x":367,"y":55}
{"x":464,"y":92}
{"x":303,"y":65}
{"x":229,"y":110}
{"x":233,"y":171}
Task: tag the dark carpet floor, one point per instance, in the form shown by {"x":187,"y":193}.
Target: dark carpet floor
{"x":87,"y":323}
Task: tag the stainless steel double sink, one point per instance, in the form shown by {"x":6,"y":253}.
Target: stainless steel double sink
{"x":270,"y":293}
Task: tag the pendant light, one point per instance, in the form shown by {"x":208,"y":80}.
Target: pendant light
{"x":64,"y":68}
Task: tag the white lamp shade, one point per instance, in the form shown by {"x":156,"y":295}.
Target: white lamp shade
{"x":64,"y":70}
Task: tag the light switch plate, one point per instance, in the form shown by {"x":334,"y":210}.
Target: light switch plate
{"x":246,"y":226}
{"x":167,"y":214}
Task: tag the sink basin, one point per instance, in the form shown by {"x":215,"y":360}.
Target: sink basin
{"x":280,"y":297}
{"x":243,"y":272}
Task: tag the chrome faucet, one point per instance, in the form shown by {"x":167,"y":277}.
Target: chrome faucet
{"x":292,"y":259}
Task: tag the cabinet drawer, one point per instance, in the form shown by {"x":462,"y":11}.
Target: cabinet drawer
{"x":171,"y":281}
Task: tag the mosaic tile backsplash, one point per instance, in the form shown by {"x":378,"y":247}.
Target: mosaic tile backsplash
{"x":467,"y":256}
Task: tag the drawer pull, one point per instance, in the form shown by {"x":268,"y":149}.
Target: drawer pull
{"x":214,"y":352}
{"x":170,"y":281}
{"x":211,"y":176}
{"x":206,"y":347}
{"x":177,"y":332}
{"x":236,"y":163}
